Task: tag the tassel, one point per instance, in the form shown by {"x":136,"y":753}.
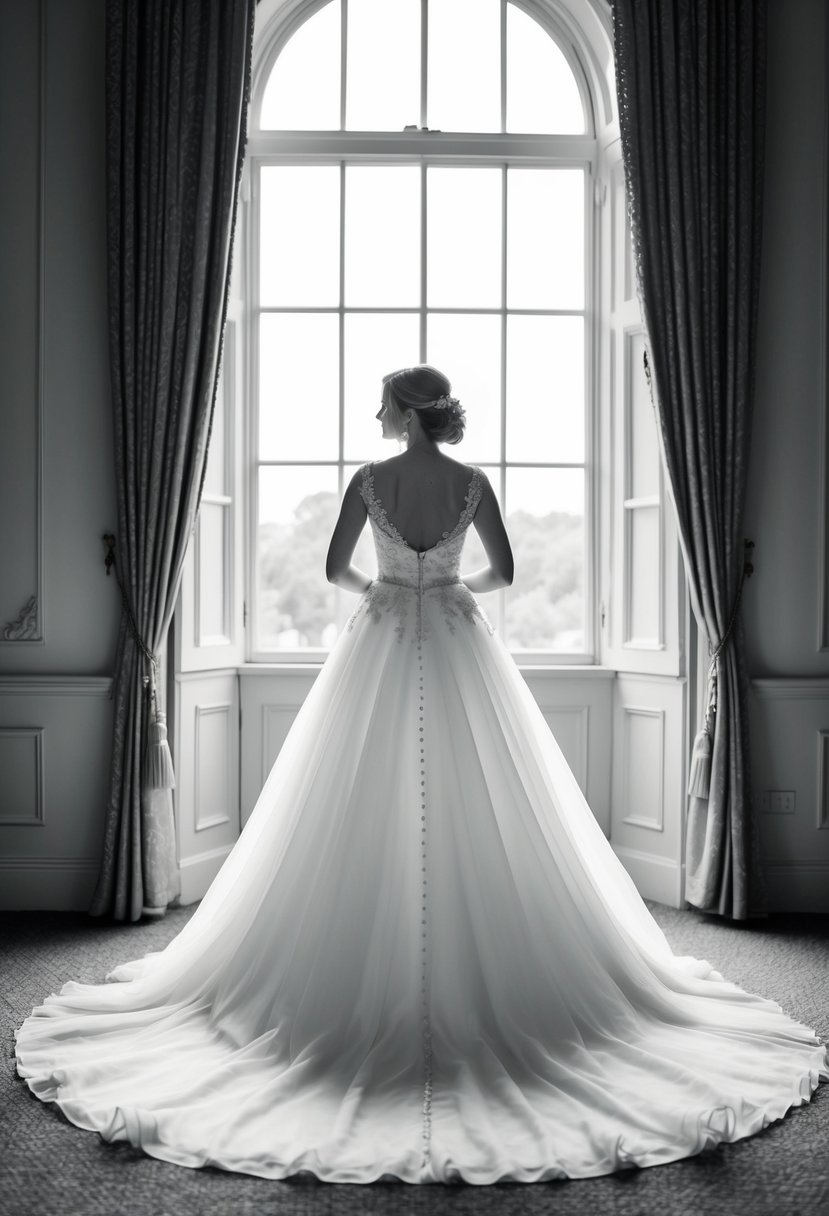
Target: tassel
{"x":158,"y":765}
{"x":700,"y":778}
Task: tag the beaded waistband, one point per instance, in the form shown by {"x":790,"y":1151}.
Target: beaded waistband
{"x":437,"y":582}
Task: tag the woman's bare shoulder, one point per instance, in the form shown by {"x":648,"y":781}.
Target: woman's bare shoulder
{"x":403,"y":465}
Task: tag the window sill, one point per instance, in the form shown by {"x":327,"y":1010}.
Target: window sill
{"x":293,"y":667}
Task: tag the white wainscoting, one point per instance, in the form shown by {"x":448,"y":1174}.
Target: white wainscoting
{"x":790,"y":754}
{"x":207,"y":775}
{"x":576,"y":702}
{"x":55,"y":740}
{"x":648,"y":784}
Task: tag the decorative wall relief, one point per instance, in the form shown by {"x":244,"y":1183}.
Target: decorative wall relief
{"x":24,"y":627}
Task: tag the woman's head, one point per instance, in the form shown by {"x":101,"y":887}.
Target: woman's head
{"x":427,"y":391}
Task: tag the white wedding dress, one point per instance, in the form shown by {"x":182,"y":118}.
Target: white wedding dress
{"x":422,"y":958}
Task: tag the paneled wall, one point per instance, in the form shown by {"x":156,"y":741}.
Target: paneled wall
{"x":58,"y":610}
{"x":626,"y":737}
{"x":576,"y":703}
{"x":790,"y":765}
{"x":786,"y":601}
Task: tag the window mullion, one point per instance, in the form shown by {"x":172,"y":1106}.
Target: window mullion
{"x":343,"y":59}
{"x":340,"y":607}
{"x":424,"y":45}
{"x":423,"y":255}
{"x":503,"y":67}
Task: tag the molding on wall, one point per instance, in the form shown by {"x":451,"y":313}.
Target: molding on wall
{"x":38,"y":884}
{"x":55,"y":686}
{"x":24,"y":626}
{"x":823,"y":415}
{"x":205,"y":673}
{"x":75,"y":864}
{"x":642,"y":711}
{"x":37,"y":817}
{"x":29,"y":627}
{"x":794,"y":688}
{"x":822,"y":799}
{"x":214,"y":707}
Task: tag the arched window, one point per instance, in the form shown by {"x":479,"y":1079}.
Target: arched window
{"x":421,"y":190}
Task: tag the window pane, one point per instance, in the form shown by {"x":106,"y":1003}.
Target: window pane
{"x":464,"y":66}
{"x":545,"y":388}
{"x":299,"y":386}
{"x":375,"y":344}
{"x":542,"y":94}
{"x":382,"y":236}
{"x":464,"y":226}
{"x":303,"y":91}
{"x":468,"y":350}
{"x":545,"y":238}
{"x":545,"y":521}
{"x":383,"y":72}
{"x":300,"y":235}
{"x":298,"y":508}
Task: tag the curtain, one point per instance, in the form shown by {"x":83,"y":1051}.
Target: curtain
{"x":177,"y":90}
{"x":690,"y":78}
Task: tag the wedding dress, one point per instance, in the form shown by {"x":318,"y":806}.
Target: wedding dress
{"x":422,"y":959}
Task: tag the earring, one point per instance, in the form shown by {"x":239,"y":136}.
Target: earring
{"x":405,"y":436}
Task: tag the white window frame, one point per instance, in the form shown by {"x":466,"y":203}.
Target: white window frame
{"x":424,"y":148}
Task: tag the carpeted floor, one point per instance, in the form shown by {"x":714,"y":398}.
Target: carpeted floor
{"x":47,"y":1165}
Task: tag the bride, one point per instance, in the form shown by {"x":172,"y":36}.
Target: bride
{"x":422,"y":959}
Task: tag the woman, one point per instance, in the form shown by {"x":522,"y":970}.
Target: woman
{"x":422,"y":959}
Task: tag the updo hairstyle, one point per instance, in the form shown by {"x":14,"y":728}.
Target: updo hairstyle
{"x":426,"y":390}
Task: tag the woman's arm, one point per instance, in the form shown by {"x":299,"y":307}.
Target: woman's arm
{"x":351,"y":521}
{"x":490,"y":527}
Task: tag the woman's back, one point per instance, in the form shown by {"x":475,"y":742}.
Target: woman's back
{"x":423,"y":495}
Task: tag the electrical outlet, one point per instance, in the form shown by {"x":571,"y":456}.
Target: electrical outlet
{"x":778,"y":802}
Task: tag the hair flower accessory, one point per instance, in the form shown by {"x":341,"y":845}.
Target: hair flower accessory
{"x":444,"y":402}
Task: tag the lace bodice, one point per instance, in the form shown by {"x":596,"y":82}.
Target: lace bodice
{"x":406,"y":578}
{"x":397,"y":561}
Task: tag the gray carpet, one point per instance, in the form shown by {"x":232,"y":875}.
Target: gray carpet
{"x":47,"y":1165}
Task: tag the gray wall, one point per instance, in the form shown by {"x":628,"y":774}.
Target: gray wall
{"x":57,"y":493}
{"x":55,"y":716}
{"x":784,"y":609}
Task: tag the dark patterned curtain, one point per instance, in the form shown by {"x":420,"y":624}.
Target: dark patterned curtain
{"x":177,"y":89}
{"x":690,"y":78}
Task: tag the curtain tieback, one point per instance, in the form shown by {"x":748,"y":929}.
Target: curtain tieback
{"x":699,"y":780}
{"x":158,"y":761}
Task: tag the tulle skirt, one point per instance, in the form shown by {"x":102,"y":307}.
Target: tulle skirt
{"x":422,"y":960}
